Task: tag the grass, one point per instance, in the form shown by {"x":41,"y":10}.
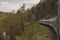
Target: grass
{"x":35,"y":31}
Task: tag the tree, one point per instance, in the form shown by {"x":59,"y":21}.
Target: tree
{"x":21,"y":10}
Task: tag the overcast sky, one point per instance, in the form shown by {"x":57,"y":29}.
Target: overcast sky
{"x":9,"y":5}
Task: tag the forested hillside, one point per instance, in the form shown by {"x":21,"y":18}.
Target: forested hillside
{"x":46,"y":9}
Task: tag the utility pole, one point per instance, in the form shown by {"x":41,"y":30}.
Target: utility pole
{"x":58,"y":20}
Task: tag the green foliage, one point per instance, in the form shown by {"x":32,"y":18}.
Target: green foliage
{"x":15,"y":25}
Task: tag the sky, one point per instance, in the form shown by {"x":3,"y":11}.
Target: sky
{"x":9,"y":5}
